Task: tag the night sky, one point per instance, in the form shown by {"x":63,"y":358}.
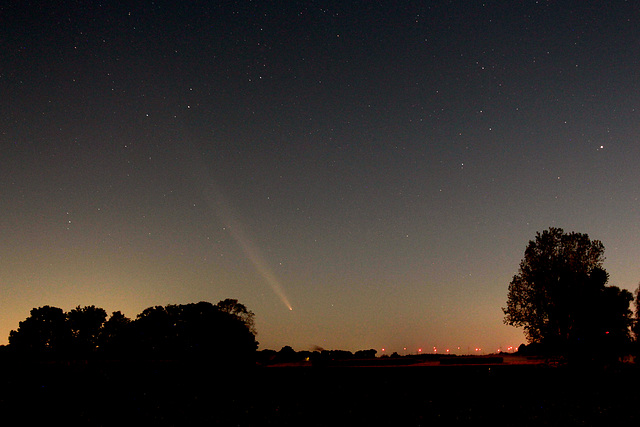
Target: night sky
{"x":360,"y":174}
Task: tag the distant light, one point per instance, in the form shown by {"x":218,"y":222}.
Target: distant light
{"x":419,"y":350}
{"x":383,"y":349}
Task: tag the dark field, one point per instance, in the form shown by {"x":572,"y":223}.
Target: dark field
{"x":168,"y":394}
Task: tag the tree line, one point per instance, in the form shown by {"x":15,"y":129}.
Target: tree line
{"x":559,"y":296}
{"x":223,"y":332}
{"x":317,"y":357}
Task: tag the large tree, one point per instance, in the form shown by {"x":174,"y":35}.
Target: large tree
{"x":201,"y":330}
{"x":559,"y":295}
{"x":44,"y":333}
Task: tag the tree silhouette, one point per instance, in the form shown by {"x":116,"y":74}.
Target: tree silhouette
{"x":44,"y":333}
{"x":614,"y":317}
{"x":86,"y":324}
{"x":365,"y":354}
{"x":200,"y":331}
{"x":287,"y":354}
{"x":232,"y":306}
{"x":559,"y":295}
{"x":154,"y":333}
{"x":203,"y":331}
{"x":636,"y":320}
{"x":115,"y":336}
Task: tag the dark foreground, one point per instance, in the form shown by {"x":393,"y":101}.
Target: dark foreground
{"x":168,"y":394}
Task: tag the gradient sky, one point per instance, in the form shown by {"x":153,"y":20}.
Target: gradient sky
{"x":378,"y":167}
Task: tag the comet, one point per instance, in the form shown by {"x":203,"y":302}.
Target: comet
{"x":224,"y":212}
